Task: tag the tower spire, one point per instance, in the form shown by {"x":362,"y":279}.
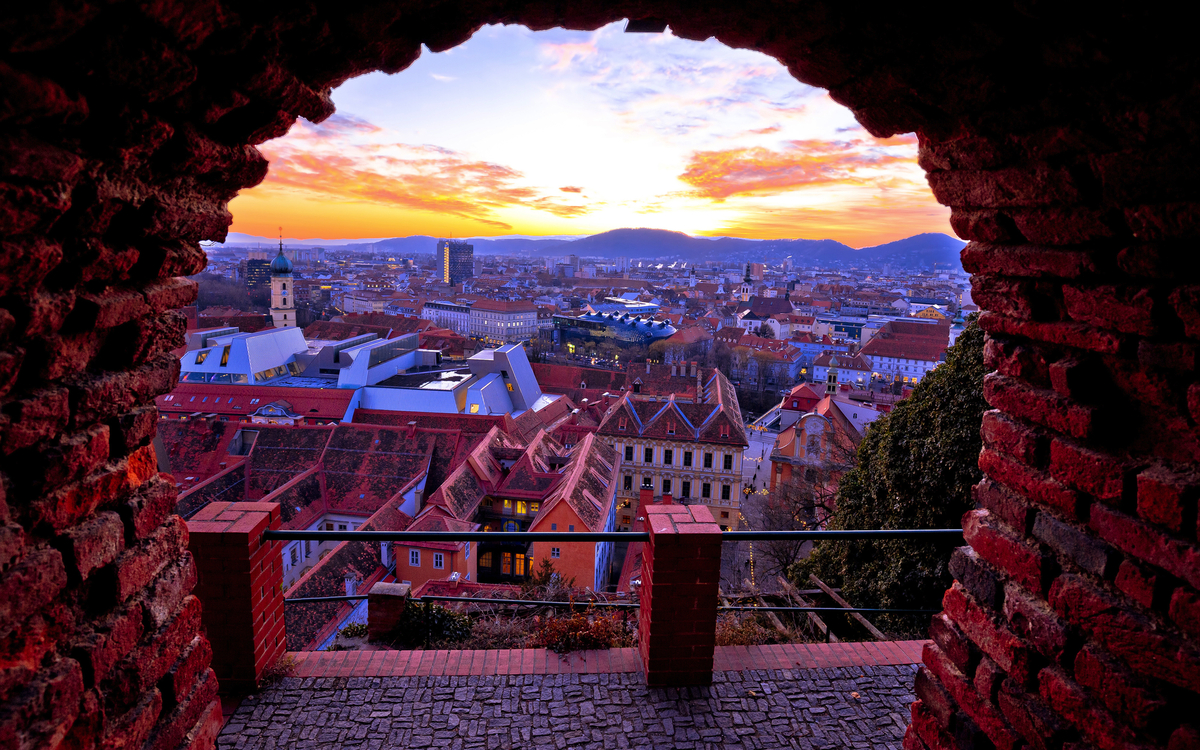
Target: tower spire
{"x":281,"y":240}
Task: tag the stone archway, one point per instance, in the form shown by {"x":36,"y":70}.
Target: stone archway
{"x":1063,"y":143}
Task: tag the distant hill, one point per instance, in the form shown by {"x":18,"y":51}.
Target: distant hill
{"x":920,"y":251}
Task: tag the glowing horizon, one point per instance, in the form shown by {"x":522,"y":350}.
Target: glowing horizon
{"x":577,"y":133}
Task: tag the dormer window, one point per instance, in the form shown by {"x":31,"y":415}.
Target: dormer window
{"x":724,"y":430}
{"x":621,"y":424}
{"x":670,"y":428}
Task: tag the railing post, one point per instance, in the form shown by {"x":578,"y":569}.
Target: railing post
{"x":240,"y":584}
{"x":681,"y":569}
{"x":385,"y":607}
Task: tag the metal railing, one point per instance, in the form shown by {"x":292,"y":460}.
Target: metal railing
{"x":600,"y":536}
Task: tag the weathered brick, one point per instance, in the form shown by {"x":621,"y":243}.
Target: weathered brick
{"x":109,"y":641}
{"x":1015,"y":557}
{"x":981,"y":711}
{"x":1015,"y":360}
{"x":1033,"y":484}
{"x":1010,"y":437}
{"x":1012,"y":509}
{"x":1142,"y":584}
{"x":131,"y":728}
{"x":1129,"y":310}
{"x":138,"y":566}
{"x":978,"y":577}
{"x":1186,"y":737}
{"x":1076,"y":335}
{"x":109,"y":309}
{"x":1044,"y":407}
{"x":1125,"y":633}
{"x":170,"y":294}
{"x":995,"y":640}
{"x":1117,"y":688}
{"x":1032,"y":619}
{"x":1076,"y":545}
{"x":1031,"y":717}
{"x":94,"y":544}
{"x":1186,"y":302}
{"x":954,"y":643}
{"x":43,"y":712}
{"x":935,"y":698}
{"x":1168,"y":499}
{"x":148,"y":507}
{"x":29,"y":585}
{"x":931,"y":732}
{"x":1092,"y":721}
{"x":1178,"y":557}
{"x":1184,"y":610}
{"x":1099,"y":474}
{"x":38,"y":416}
{"x":169,"y":590}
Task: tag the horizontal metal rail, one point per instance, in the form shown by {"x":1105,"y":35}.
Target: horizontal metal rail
{"x":595,"y":536}
{"x":610,"y":605}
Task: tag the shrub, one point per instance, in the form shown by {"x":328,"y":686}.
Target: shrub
{"x":745,"y":630}
{"x":421,"y":624}
{"x":498,"y":631}
{"x":916,"y":467}
{"x":355,"y":630}
{"x":580,"y":631}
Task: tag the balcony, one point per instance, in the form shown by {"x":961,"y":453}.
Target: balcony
{"x":675,"y":687}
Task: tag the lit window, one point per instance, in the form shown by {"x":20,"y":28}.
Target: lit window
{"x":533,"y":506}
{"x":485,"y":559}
{"x":554,"y":552}
{"x":521,"y":507}
{"x":474,"y":408}
{"x":439,"y":560}
{"x":520,"y":565}
{"x":414,"y":558}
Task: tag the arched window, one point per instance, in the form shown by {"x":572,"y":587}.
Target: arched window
{"x":285,"y":286}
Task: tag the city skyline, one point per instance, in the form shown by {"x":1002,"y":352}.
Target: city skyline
{"x":558,"y":132}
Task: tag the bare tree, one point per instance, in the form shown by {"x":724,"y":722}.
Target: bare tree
{"x":803,"y":500}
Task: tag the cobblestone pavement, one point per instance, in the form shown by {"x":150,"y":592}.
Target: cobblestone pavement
{"x":847,"y":707}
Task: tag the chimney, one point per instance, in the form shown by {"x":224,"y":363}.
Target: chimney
{"x":694,"y":369}
{"x":646,"y":497}
{"x":674,"y":369}
{"x":647,"y":365}
{"x":666,"y":500}
{"x":412,"y":430}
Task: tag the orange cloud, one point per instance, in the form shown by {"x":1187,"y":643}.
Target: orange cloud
{"x":761,"y":171}
{"x":328,"y":162}
{"x":571,"y":189}
{"x":885,"y":217}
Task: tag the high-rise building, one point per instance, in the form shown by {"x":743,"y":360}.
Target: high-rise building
{"x":456,"y":261}
{"x":258,"y":275}
{"x":756,"y":271}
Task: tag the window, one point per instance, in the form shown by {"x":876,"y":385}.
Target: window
{"x":554,"y":552}
{"x":203,"y":355}
{"x":554,"y":527}
{"x":628,"y":482}
{"x":571,"y":527}
{"x":670,"y":428}
{"x":507,"y":505}
{"x":414,"y":558}
{"x":637,"y":387}
{"x":668,"y":456}
{"x":724,"y":430}
{"x":520,"y":561}
{"x":629,"y":453}
{"x":621,"y":424}
{"x":724,"y":492}
{"x":666,"y":486}
{"x":648,"y":455}
{"x":728,"y":462}
{"x":485,"y":559}
{"x":439,"y":560}
{"x":521,"y":507}
{"x":706,"y":490}
{"x":708,"y":460}
{"x":295,"y":555}
{"x":687,"y":458}
{"x":506,"y":563}
{"x":724,"y":514}
{"x":647,"y":483}
{"x":467,"y":553}
{"x":685,"y":489}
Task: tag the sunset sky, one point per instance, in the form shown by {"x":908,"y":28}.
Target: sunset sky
{"x":573,"y":133}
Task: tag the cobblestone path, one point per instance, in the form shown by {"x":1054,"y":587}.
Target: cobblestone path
{"x":846,"y":707}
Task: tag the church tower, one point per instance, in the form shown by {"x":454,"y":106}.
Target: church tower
{"x":283,"y":303}
{"x":831,"y":380}
{"x":747,"y":285}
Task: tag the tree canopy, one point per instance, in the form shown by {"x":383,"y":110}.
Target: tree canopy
{"x":915,"y":469}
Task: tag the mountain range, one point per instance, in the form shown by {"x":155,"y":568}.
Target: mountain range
{"x":930,"y":250}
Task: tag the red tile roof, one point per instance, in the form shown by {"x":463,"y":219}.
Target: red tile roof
{"x":324,"y":404}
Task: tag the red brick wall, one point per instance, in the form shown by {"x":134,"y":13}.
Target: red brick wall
{"x":1063,"y":141}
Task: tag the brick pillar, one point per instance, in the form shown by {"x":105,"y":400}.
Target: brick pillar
{"x":385,"y":606}
{"x":681,"y":567}
{"x":241,"y":586}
